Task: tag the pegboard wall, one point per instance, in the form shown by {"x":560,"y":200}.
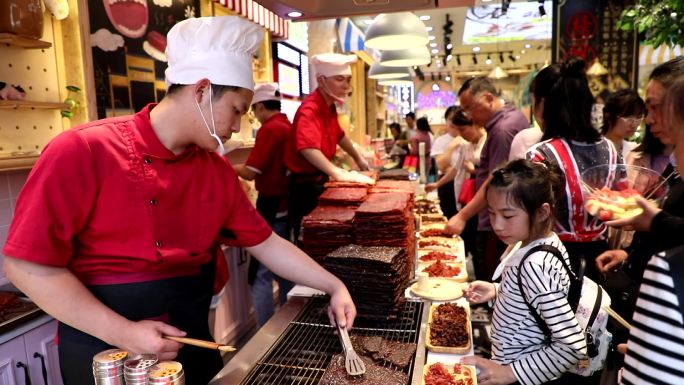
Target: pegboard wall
{"x":26,"y":129}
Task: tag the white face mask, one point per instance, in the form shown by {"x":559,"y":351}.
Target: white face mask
{"x":212,"y":131}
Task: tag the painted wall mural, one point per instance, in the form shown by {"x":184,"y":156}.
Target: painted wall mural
{"x":128,"y":39}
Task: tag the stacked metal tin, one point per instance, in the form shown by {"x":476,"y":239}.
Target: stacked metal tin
{"x":136,"y":368}
{"x":166,"y":373}
{"x":108,"y":367}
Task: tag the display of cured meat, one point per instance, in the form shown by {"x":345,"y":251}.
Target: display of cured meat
{"x":376,"y":277}
{"x":343,"y":196}
{"x":393,"y":186}
{"x":371,"y":174}
{"x":327,"y":228}
{"x":437,"y":256}
{"x":386,"y":219}
{"x":442,"y":270}
{"x":397,"y":353}
{"x":437,"y":243}
{"x":394,"y":174}
{"x":441,"y":374}
{"x":434,"y":233}
{"x":448,"y":326}
{"x":336,"y":374}
{"x":426,"y":206}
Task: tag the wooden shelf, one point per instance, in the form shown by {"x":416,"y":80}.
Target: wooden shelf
{"x":25,"y":42}
{"x":6,"y":104}
{"x":17,"y":162}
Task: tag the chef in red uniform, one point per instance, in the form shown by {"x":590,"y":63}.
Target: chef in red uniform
{"x":117,"y":226}
{"x":315,"y":136}
{"x":266,"y":167}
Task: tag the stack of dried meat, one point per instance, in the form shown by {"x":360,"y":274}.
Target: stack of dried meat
{"x":325,"y":229}
{"x":386,"y":219}
{"x":343,"y":196}
{"x":375,"y":276}
{"x":395,"y":174}
{"x":393,"y":186}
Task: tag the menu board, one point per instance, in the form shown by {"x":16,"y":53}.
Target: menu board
{"x":587,"y":29}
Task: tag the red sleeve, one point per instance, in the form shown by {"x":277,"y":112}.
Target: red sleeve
{"x":263,"y":148}
{"x":244,"y":224}
{"x":308,"y":130}
{"x":54,"y":204}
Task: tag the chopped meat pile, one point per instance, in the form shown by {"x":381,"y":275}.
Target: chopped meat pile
{"x":437,"y":256}
{"x":429,"y":243}
{"x":433,"y":233}
{"x":336,"y":374}
{"x":439,"y":269}
{"x":432,"y":219}
{"x":438,"y":374}
{"x":449,"y":326}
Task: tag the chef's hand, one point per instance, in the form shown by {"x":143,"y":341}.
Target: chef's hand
{"x":342,"y":175}
{"x":148,"y":337}
{"x":641,"y":222}
{"x":341,"y":308}
{"x":430,"y":187}
{"x":362,"y":164}
{"x":610,"y":260}
{"x":480,"y":292}
{"x":455,"y":225}
{"x":490,"y":373}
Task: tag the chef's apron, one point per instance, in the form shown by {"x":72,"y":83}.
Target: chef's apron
{"x":304,"y":192}
{"x":182,"y":302}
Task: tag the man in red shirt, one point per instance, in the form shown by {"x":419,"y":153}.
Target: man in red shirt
{"x":315,"y":136}
{"x":266,"y":166}
{"x":116,"y":230}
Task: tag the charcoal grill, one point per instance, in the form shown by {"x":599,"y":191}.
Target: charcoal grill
{"x":298,"y":351}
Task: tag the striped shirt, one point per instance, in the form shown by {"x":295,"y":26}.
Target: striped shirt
{"x":516,"y":338}
{"x":655,"y":351}
{"x":573,"y":223}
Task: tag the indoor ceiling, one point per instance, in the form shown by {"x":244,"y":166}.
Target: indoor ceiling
{"x":528,"y":53}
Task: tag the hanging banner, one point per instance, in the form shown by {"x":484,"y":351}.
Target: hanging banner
{"x":251,"y":10}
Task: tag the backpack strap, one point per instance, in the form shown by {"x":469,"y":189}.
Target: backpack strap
{"x":675,"y":258}
{"x":573,"y":294}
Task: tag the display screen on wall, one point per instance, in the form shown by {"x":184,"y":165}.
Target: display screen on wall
{"x":289,"y":108}
{"x":288,"y":79}
{"x":522,"y":21}
{"x":128,"y":40}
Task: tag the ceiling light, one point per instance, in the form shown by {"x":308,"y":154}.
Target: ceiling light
{"x":431,"y":37}
{"x":476,"y":49}
{"x":447,"y":78}
{"x":406,"y":57}
{"x":486,"y":1}
{"x":435,"y":87}
{"x":429,"y":29}
{"x":435,"y":51}
{"x":294,"y":14}
{"x":433,"y":45}
{"x":439,"y":65}
{"x":522,"y":51}
{"x":449,"y":57}
{"x":424,"y":17}
{"x":488,"y":61}
{"x":528,"y":45}
{"x":497,"y":73}
{"x":517,"y":56}
{"x":395,"y":82}
{"x":396,"y":31}
{"x":450,"y":46}
{"x":379,"y":71}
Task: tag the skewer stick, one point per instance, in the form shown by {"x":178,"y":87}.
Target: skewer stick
{"x":201,"y":343}
{"x":618,"y":318}
{"x":660,"y":185}
{"x":587,"y":187}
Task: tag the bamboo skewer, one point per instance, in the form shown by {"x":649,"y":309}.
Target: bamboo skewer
{"x":592,"y":190}
{"x":618,"y":318}
{"x":661,"y":184}
{"x":201,"y":343}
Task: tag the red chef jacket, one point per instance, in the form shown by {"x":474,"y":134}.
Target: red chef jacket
{"x":267,"y":156}
{"x":315,"y":126}
{"x":111,"y":203}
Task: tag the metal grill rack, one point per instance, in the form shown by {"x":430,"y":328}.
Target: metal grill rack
{"x":303,"y":352}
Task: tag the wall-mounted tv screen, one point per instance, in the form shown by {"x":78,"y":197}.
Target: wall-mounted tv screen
{"x":523,"y":21}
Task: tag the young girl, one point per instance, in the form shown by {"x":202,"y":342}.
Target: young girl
{"x":520,"y":198}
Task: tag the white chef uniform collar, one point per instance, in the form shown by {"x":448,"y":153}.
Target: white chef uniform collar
{"x":218,"y":48}
{"x":332,"y":64}
{"x":266,"y":91}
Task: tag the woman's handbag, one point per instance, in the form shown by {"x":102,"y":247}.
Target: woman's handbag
{"x":467,"y":192}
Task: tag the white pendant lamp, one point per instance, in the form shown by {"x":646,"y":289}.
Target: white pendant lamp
{"x":497,"y":73}
{"x":416,"y":56}
{"x":380,"y":72}
{"x":395,"y":82}
{"x":394,"y":31}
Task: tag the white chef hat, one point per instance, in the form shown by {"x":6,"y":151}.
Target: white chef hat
{"x":266,"y":91}
{"x":332,"y":64}
{"x":218,"y":48}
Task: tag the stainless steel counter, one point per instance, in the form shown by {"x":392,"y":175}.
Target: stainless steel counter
{"x":241,"y":364}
